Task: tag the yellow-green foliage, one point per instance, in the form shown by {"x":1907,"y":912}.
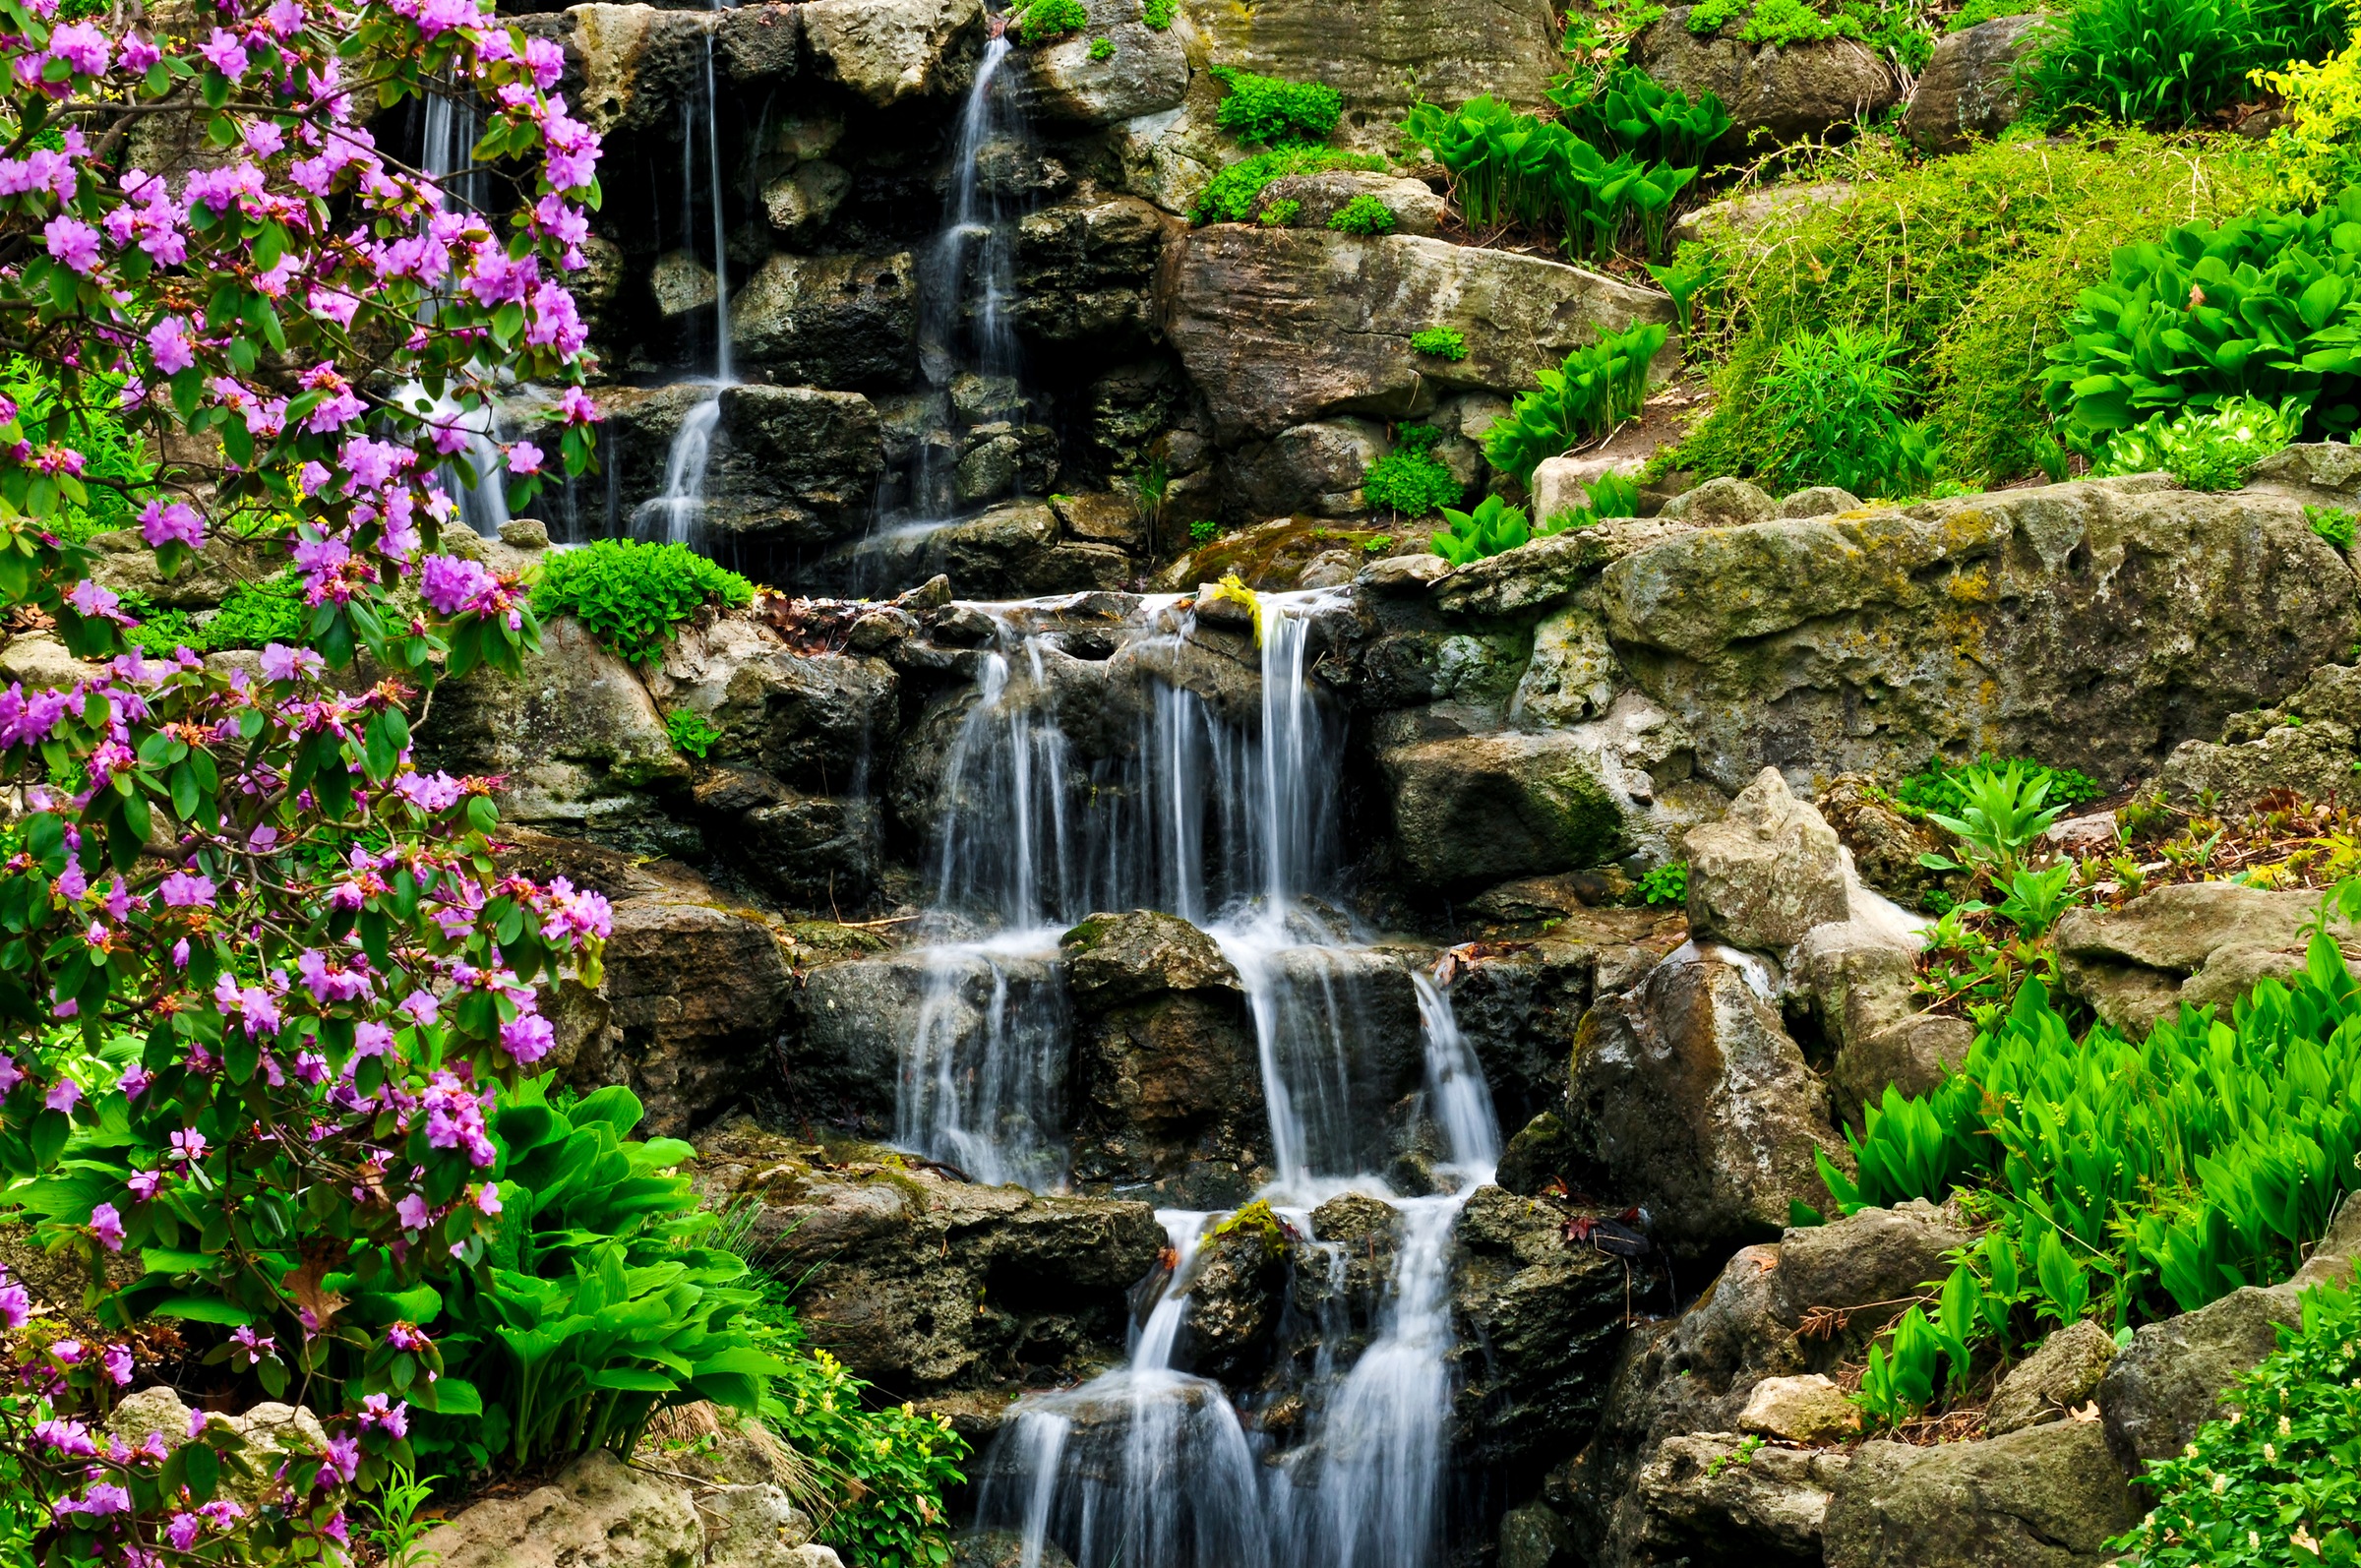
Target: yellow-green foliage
{"x":1258,"y":1220}
{"x":2317,"y":153}
{"x":1969,"y":262}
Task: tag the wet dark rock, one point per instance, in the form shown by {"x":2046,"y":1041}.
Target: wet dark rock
{"x":1477,"y":809}
{"x":1236,"y":1292}
{"x":829,"y":321}
{"x":815,"y":722}
{"x":1706,"y":1500}
{"x":1084,"y":272}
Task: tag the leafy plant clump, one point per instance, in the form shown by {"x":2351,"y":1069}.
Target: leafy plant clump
{"x":1629,"y":113}
{"x":2169,"y":63}
{"x":1275,"y":113}
{"x":1507,"y":166}
{"x":632,"y":597}
{"x":1666,"y":884}
{"x":1585,"y":396}
{"x":1411,"y":480}
{"x":1977,"y":12}
{"x":1158,"y":14}
{"x":1234,"y":194}
{"x":1365,"y":213}
{"x":253,"y":615}
{"x":1836,"y":400}
{"x":1204,"y":530}
{"x":1492,"y":527}
{"x":2178,"y":320}
{"x":690,"y":732}
{"x":2280,"y":1475}
{"x":1280,"y":214}
{"x":2204,"y":449}
{"x":1962,"y":263}
{"x":1042,"y":21}
{"x":1102,"y":48}
{"x":2333,"y":523}
{"x":1443,"y":342}
{"x":1947,"y":787}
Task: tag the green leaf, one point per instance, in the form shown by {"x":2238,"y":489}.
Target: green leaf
{"x":204,"y":1309}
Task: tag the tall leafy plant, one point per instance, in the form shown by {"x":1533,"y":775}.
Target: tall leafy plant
{"x":2169,"y":63}
{"x":1507,"y":166}
{"x":1585,"y":396}
{"x":1835,"y":400}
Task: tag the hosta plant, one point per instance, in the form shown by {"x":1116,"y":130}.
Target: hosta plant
{"x":2204,"y":449}
{"x":1492,"y":528}
{"x":1585,"y":396}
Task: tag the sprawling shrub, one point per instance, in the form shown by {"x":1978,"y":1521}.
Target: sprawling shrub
{"x":2265,"y":306}
{"x":2317,"y":152}
{"x":1275,"y":113}
{"x":2278,"y":1480}
{"x":1836,"y":417}
{"x":632,"y":597}
{"x":2169,"y":63}
{"x":1234,"y":194}
{"x":252,"y":615}
{"x":1965,"y":263}
{"x":1411,"y":480}
{"x":1584,"y":397}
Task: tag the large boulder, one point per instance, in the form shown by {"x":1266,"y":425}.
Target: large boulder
{"x":1167,"y":1087}
{"x":598,"y":1513}
{"x":1691,"y":1100}
{"x":1279,"y":327}
{"x":631,"y":67}
{"x":1766,"y":873}
{"x":2094,"y":624}
{"x":2195,"y":944}
{"x":928,"y":1283}
{"x":1969,"y":87}
{"x":1481,"y":808}
{"x":889,"y":51}
{"x":829,"y":321}
{"x":785,"y":465}
{"x":1084,"y":274}
{"x":576,"y":736}
{"x":814,"y":721}
{"x":2045,"y":1497}
{"x":1793,"y":92}
{"x":1541,"y":1319}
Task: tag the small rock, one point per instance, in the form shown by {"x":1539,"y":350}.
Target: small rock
{"x":1707,"y":1498}
{"x":682,"y":284}
{"x":1767,"y":872}
{"x":1821,"y":500}
{"x":1560,"y":484}
{"x":2169,"y":1380}
{"x":2084,"y":835}
{"x":1535,"y":1537}
{"x":1401,"y":574}
{"x":1800,"y":1410}
{"x":2058,"y":1378}
{"x":525,"y":533}
{"x":1968,"y":88}
{"x":1722,"y":503}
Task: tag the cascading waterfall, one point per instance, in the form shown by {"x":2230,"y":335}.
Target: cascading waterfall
{"x":447,"y":156}
{"x":1149,"y":1466}
{"x":676,"y":516}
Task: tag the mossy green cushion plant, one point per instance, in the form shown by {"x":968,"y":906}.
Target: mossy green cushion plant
{"x":1365,"y":213}
{"x":1443,"y":342}
{"x":1042,"y":21}
{"x":1234,"y":194}
{"x":1411,"y":481}
{"x":634,"y":597}
{"x":1275,"y":113}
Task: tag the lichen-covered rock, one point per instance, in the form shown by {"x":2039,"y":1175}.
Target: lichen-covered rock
{"x":1805,"y":1409}
{"x":1690,"y":1098}
{"x":2194,"y":944}
{"x":2044,"y":1497}
{"x":1913,"y":1055}
{"x":1969,"y":89}
{"x":2094,"y":624}
{"x":927,"y":1283}
{"x":1572,"y":675}
{"x":1483,"y":808}
{"x":1536,"y":1536}
{"x":599,"y":1513}
{"x":271,"y":1434}
{"x":1073,"y":82}
{"x":2055,"y":1381}
{"x":831,"y":321}
{"x":1820,"y":501}
{"x":1706,"y":1499}
{"x":892,"y":50}
{"x":2313,"y":759}
{"x":1282,"y":326}
{"x":636,"y":65}
{"x":760,"y":43}
{"x":575,"y":735}
{"x":1723,"y":503}
{"x":1791,"y":91}
{"x":1766,"y":873}
{"x":127,"y":564}
{"x":811,"y":721}
{"x":1539,"y":1320}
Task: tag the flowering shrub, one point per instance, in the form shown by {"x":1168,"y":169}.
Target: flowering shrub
{"x":260,"y":978}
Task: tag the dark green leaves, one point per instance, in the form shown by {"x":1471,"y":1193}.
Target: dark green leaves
{"x":632,"y":597}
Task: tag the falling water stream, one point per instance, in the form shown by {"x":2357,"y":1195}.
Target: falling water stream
{"x":447,"y":156}
{"x":1149,"y":1466}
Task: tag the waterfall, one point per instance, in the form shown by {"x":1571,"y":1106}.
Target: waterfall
{"x":1237,"y":833}
{"x":676,"y":516}
{"x":447,"y":156}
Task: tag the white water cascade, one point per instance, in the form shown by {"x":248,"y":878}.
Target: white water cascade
{"x":1233,"y":827}
{"x":447,"y":156}
{"x":676,"y":515}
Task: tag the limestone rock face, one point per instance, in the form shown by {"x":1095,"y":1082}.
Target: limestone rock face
{"x":597,"y":1514}
{"x":1969,"y":87}
{"x":1147,"y":73}
{"x":577,"y":734}
{"x":2095,"y":623}
{"x":1699,"y":1501}
{"x":636,"y":64}
{"x":1387,"y":54}
{"x":787,"y":465}
{"x":1767,"y":872}
{"x":892,"y":50}
{"x":1539,"y":1321}
{"x":1320,"y":197}
{"x":1279,"y":326}
{"x":2195,"y":942}
{"x":1795,"y":91}
{"x":807,"y":720}
{"x":829,"y":321}
{"x":2044,"y":1497}
{"x":1005,"y":552}
{"x":927,"y":1283}
{"x":1484,"y":807}
{"x":2313,"y":759}
{"x":1692,"y":1101}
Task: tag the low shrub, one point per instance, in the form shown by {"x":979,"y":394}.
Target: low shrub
{"x":1962,"y":263}
{"x":1042,"y":21}
{"x":1584,"y":397}
{"x":2204,"y":449}
{"x":1411,"y":481}
{"x":2169,"y":63}
{"x":1279,"y":213}
{"x":690,"y":732}
{"x":1102,"y":48}
{"x":1836,"y":419}
{"x":2317,"y":152}
{"x":632,"y":597}
{"x":2282,"y":1474}
{"x":1694,"y":267}
{"x":1492,"y":527}
{"x":1275,"y":113}
{"x":1443,"y":342}
{"x":1234,"y":194}
{"x":252,"y":615}
{"x":1893,"y":28}
{"x":1365,"y":213}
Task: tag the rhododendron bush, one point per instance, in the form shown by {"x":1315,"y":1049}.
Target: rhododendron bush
{"x":262,"y":981}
